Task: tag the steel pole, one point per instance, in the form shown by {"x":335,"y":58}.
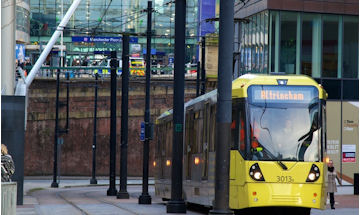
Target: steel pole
{"x":67,"y":102}
{"x":55,"y":166}
{"x":176,"y":203}
{"x":145,"y":198}
{"x":203,"y":59}
{"x":197,"y":79}
{"x":93,"y":179}
{"x":224,"y":108}
{"x":123,"y":194}
{"x":113,"y":64}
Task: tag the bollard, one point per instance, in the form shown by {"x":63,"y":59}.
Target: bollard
{"x":8,"y":198}
{"x":356,"y":183}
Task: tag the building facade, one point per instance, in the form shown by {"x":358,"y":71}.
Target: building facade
{"x":315,"y":38}
{"x":103,"y":20}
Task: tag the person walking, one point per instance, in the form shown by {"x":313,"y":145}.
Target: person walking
{"x":332,"y":183}
{"x":7,"y":165}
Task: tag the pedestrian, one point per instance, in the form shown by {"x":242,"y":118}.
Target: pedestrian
{"x":7,"y":165}
{"x":332,"y":183}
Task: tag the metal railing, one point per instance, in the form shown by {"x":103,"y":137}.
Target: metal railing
{"x":104,"y":72}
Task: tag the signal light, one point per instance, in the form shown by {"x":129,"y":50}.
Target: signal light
{"x":327,"y":159}
{"x":168,"y":162}
{"x":197,"y":160}
{"x":154,"y":163}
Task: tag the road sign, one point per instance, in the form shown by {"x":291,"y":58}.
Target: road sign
{"x":142,"y":131}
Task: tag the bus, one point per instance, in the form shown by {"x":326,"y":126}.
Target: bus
{"x":278,"y":146}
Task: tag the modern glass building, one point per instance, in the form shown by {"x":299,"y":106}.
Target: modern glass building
{"x":314,"y":38}
{"x":22,"y":14}
{"x":99,"y":19}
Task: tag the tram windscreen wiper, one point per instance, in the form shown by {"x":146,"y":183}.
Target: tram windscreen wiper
{"x":283,"y":166}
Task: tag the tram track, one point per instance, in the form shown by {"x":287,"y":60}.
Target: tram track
{"x":87,"y":195}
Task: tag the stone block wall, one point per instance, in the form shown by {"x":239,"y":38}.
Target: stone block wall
{"x":76,"y":152}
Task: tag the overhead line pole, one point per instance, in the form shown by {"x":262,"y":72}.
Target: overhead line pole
{"x":176,"y":203}
{"x":113,"y":63}
{"x":93,"y":173}
{"x":203,"y":59}
{"x":54,"y":183}
{"x":123,"y":194}
{"x":145,"y":198}
{"x":224,"y":108}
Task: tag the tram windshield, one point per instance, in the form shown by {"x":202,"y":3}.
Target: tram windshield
{"x":284,"y":123}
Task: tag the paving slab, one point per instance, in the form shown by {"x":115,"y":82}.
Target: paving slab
{"x":77,"y":196}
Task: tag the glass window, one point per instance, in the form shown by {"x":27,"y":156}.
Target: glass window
{"x":242,"y":49}
{"x":333,"y":88}
{"x":295,"y":136}
{"x":288,"y":42}
{"x":253,"y":43}
{"x":330,"y":46}
{"x":273,"y":31}
{"x":351,"y":47}
{"x":350,"y":90}
{"x":212,"y":128}
{"x":258,"y":49}
{"x":266,"y":36}
{"x":307,"y":44}
{"x":248,"y":47}
{"x":238,"y":127}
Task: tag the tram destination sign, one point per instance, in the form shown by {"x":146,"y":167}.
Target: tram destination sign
{"x":282,"y":94}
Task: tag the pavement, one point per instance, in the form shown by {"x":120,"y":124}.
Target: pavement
{"x":75,"y":196}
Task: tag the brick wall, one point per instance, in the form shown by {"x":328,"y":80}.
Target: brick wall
{"x":76,"y":153}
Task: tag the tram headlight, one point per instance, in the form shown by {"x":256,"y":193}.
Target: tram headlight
{"x":255,"y":173}
{"x":314,"y":174}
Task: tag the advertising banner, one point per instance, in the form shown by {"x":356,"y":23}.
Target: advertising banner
{"x":349,"y":153}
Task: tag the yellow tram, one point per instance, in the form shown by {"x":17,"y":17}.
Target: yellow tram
{"x":278,"y":145}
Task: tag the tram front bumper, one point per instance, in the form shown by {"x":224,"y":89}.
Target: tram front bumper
{"x":277,"y":195}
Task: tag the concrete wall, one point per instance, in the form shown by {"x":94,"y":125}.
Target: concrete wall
{"x":76,"y":153}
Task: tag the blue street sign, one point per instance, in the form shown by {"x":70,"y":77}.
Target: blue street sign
{"x":101,"y":39}
{"x":142,"y":131}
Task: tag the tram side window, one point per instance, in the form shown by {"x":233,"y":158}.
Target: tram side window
{"x":193,"y":137}
{"x":238,"y":128}
{"x":212,"y":128}
{"x":206,"y":141}
{"x":187,"y":132}
{"x":169,"y":134}
{"x":199,"y":131}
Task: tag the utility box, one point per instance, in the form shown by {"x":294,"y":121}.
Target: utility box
{"x":8,"y":198}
